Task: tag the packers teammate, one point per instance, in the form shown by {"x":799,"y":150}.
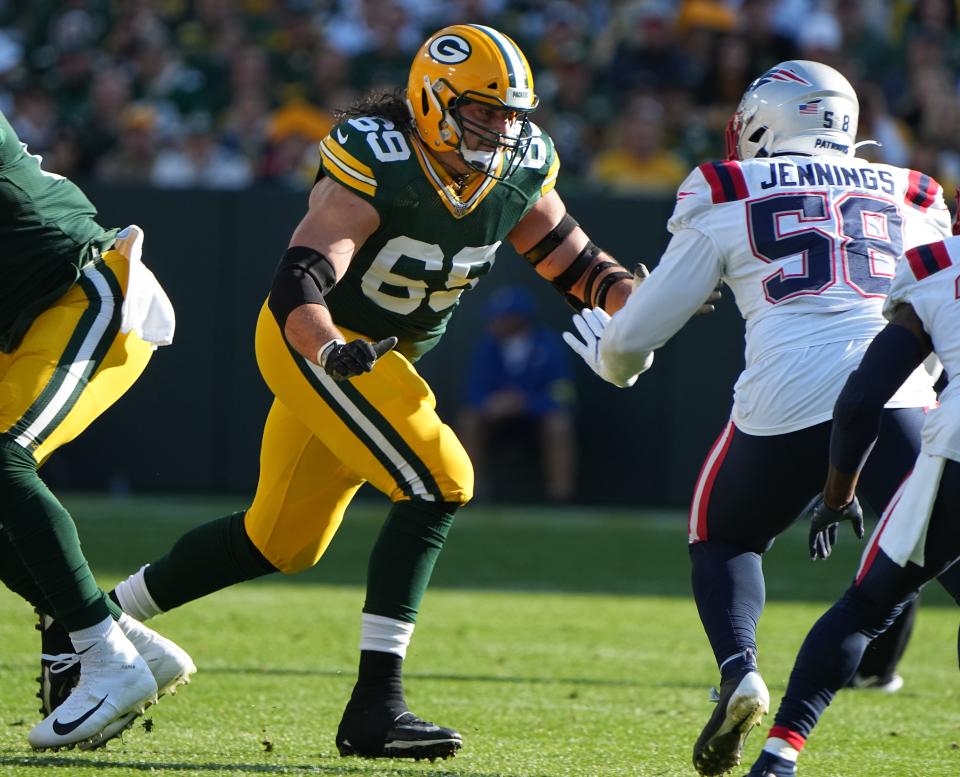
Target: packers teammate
{"x":70,"y":346}
{"x":415,"y":194}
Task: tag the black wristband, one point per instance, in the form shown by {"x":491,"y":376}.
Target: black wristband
{"x":595,"y":271}
{"x":303,"y":276}
{"x":551,"y":240}
{"x":604,"y":286}
{"x":569,"y":277}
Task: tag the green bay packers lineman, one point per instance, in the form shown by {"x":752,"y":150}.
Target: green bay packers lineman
{"x":68,"y":352}
{"x":415,"y":194}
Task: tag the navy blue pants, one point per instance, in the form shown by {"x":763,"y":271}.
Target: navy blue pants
{"x":832,"y":649}
{"x":752,"y":488}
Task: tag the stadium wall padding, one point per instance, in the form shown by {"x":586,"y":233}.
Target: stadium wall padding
{"x":193,"y":421}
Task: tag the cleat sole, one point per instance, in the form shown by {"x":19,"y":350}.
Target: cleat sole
{"x":723,"y":751}
{"x":416,"y":751}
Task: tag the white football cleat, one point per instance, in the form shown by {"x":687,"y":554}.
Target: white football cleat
{"x":170,"y":664}
{"x":115,"y":686}
{"x":741,"y":703}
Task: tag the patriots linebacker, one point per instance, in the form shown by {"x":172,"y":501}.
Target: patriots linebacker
{"x":917,"y":537}
{"x":807,"y":237}
{"x":416,"y":192}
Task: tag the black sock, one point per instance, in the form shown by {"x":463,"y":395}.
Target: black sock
{"x":379,"y":679}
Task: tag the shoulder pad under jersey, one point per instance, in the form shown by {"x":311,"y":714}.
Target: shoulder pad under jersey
{"x":709,"y":184}
{"x":924,"y":196}
{"x":919,"y":264}
{"x":541,"y":160}
{"x":357,"y":151}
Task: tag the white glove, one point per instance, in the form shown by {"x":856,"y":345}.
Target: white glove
{"x":590,"y":325}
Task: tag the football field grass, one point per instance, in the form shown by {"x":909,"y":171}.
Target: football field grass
{"x":561,"y":643}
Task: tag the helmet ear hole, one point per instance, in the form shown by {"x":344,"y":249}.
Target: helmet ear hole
{"x":425,"y":103}
{"x":755,"y":137}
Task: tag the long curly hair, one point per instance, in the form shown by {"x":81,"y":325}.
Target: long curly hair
{"x":390,"y":104}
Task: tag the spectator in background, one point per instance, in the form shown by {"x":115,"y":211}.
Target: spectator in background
{"x":865,"y":44}
{"x":877,"y":124}
{"x":572,"y":107}
{"x":387,"y":60}
{"x":820,"y":39}
{"x":201,"y":161}
{"x":520,"y":389}
{"x":131,"y":161}
{"x":35,"y":118}
{"x":647,"y":56}
{"x":99,"y":122}
{"x":295,"y":130}
{"x":638,"y":163}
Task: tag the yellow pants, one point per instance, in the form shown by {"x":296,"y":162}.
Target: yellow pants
{"x":72,"y":364}
{"x":324,"y":438}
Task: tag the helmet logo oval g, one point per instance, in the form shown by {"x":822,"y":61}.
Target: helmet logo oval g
{"x":450,"y":49}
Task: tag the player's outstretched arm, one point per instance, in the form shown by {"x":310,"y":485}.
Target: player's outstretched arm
{"x":336,"y":224}
{"x":687,"y":274}
{"x":562,"y":253}
{"x":892,"y":356}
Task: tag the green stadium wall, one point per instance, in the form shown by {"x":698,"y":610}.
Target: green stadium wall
{"x":193,"y":421}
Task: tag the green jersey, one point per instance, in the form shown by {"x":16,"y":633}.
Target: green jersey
{"x":434,"y":240}
{"x":47,"y":234}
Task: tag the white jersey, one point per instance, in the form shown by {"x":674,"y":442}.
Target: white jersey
{"x":929,"y":280}
{"x":808,"y":245}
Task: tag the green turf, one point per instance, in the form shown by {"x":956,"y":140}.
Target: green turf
{"x":560,"y":643}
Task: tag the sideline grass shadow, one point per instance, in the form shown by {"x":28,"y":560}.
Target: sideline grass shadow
{"x":571,"y":549}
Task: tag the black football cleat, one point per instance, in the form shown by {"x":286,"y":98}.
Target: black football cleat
{"x":387,"y":731}
{"x":59,"y":664}
{"x":741,"y":703}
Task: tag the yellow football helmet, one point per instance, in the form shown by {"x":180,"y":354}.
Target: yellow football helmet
{"x":472,"y":63}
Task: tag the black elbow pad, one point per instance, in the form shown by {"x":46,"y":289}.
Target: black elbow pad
{"x":303,"y":276}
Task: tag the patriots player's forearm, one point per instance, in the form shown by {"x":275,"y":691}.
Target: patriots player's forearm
{"x":840,"y":487}
{"x":660,"y":306}
{"x":891,"y":358}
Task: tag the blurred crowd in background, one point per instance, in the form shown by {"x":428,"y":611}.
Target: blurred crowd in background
{"x":226,"y":94}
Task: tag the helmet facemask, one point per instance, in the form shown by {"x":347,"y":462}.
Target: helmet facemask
{"x":497,"y":154}
{"x":463,"y":66}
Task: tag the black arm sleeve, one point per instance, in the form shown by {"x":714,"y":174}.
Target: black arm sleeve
{"x":888,"y":362}
{"x":303,"y":276}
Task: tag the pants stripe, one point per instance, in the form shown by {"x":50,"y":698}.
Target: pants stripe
{"x":697,"y":525}
{"x":870,"y":553}
{"x":364,"y":428}
{"x":95,"y":332}
{"x":421,"y":470}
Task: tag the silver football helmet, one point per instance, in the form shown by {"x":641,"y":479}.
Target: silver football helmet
{"x":798,"y":106}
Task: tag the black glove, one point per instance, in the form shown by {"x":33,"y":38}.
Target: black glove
{"x":824,"y":521}
{"x":347,"y":360}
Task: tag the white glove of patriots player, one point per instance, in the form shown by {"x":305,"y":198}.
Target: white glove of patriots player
{"x":590,"y":325}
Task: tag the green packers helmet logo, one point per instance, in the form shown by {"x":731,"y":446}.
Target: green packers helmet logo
{"x":450,"y":49}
